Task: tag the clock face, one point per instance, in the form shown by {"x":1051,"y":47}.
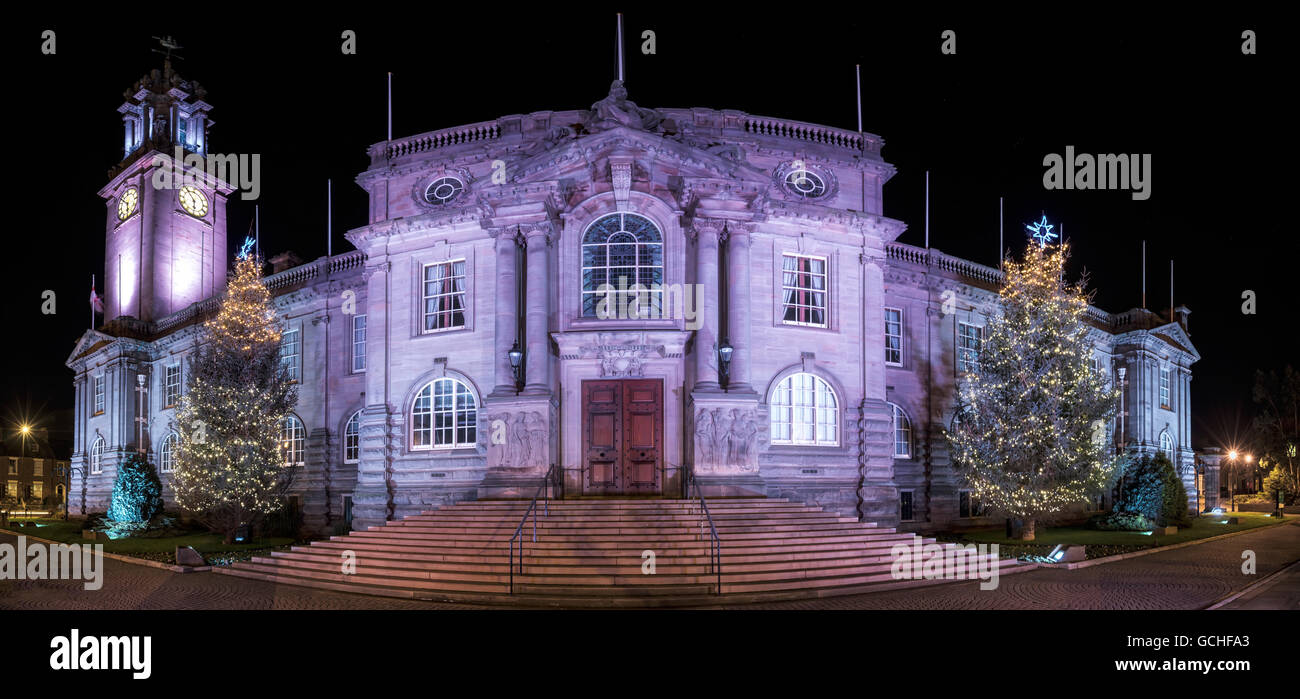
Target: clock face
{"x":193,"y":201}
{"x":127,"y":202}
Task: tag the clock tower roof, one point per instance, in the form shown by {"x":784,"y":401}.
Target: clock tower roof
{"x":163,"y":110}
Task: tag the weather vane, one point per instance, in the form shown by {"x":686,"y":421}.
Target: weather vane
{"x":246,"y":247}
{"x":1041,"y":231}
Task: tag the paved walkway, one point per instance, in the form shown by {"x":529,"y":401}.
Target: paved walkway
{"x":1192,"y":577}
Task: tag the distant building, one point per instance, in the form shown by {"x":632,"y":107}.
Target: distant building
{"x":35,"y":476}
{"x":785,"y":344}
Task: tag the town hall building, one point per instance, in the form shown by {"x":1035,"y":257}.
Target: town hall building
{"x":630,"y":294}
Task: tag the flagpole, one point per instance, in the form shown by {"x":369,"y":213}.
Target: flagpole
{"x":1144,"y":275}
{"x":390,"y":105}
{"x":857,"y":72}
{"x":257,"y":230}
{"x":1171,"y":291}
{"x":620,"y":47}
{"x":1001,"y":249}
{"x":927,"y":209}
{"x":92,"y":300}
{"x":329,"y":218}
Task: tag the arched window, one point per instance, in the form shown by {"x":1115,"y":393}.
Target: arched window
{"x":97,"y":456}
{"x":292,"y":440}
{"x":619,"y":252}
{"x":902,"y":433}
{"x":444,"y":415}
{"x":166,"y":453}
{"x":804,"y":411}
{"x":1167,"y":444}
{"x":352,"y":439}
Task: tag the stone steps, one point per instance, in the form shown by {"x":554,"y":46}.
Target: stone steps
{"x":589,"y":554}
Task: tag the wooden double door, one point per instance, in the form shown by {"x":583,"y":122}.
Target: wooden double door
{"x":622,"y":437}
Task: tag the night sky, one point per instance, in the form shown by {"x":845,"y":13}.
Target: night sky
{"x":1217,"y":123}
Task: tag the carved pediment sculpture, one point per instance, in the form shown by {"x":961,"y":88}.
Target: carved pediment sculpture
{"x":617,"y":110}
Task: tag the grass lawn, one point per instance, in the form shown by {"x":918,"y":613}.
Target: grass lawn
{"x":1106,"y":543}
{"x":156,"y":549}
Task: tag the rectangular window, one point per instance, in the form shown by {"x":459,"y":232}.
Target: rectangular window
{"x":291,"y":353}
{"x":11,"y":489}
{"x":38,"y":467}
{"x":968,"y":505}
{"x":803,"y":290}
{"x":1164,"y":388}
{"x":38,"y":489}
{"x":969,"y":339}
{"x":358,"y":343}
{"x":172,"y":386}
{"x":444,"y":295}
{"x":99,"y":395}
{"x":905,"y":505}
{"x":894,"y":336}
{"x":13,"y":466}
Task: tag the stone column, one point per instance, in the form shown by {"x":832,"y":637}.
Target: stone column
{"x":537,"y":307}
{"x":738,"y":303}
{"x":707,"y":232}
{"x":506,"y":306}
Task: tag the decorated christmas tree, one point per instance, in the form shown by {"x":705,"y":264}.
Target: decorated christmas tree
{"x":1030,"y":435}
{"x":229,"y":469}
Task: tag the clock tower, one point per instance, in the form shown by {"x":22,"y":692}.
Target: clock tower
{"x":165,"y":211}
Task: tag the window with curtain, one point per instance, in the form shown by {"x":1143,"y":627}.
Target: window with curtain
{"x":803,"y":290}
{"x":969,"y":339}
{"x":444,"y":295}
{"x":291,"y":353}
{"x":894,"y":336}
{"x":622,"y":268}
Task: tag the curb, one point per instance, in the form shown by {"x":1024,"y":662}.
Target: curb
{"x":1159,"y":549}
{"x":1257,"y":586}
{"x":116,"y":556}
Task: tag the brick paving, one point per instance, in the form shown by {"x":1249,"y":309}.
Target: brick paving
{"x":1192,"y":577}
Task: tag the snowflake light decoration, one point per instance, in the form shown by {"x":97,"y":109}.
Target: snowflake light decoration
{"x":1041,"y":231}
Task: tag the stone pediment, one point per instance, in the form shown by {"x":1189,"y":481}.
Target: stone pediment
{"x":90,"y":341}
{"x":586,"y":158}
{"x":1173,"y":334}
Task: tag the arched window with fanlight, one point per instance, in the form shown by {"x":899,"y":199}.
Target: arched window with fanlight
{"x":622,"y":268}
{"x":804,"y":411}
{"x":902,"y":433}
{"x":1167,"y":444}
{"x":97,"y":456}
{"x":167,"y":453}
{"x":352,"y":439}
{"x":293,"y":441}
{"x":444,"y":415}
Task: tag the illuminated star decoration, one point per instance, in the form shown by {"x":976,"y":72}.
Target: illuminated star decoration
{"x":246,"y":247}
{"x":1041,"y":231}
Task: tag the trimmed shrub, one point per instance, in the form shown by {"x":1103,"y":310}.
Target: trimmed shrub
{"x":1121,"y":522}
{"x":137,"y":492}
{"x":1152,"y":488}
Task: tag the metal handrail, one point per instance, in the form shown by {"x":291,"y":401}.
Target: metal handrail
{"x":715,"y":542}
{"x":544,"y":492}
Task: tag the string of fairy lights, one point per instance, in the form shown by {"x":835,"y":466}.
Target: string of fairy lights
{"x":1029,"y":438}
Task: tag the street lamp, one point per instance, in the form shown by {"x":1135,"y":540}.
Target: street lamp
{"x":725,"y":351}
{"x":516,"y":357}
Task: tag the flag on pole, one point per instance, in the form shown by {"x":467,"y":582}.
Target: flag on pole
{"x":96,"y":303}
